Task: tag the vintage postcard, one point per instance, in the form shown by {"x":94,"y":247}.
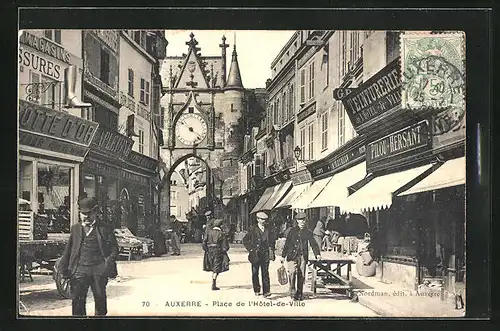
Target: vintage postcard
{"x":222,"y":173}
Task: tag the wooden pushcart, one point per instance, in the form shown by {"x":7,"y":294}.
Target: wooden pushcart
{"x":329,"y":270}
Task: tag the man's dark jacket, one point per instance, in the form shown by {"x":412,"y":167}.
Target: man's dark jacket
{"x":253,"y":243}
{"x":107,"y":245}
{"x":292,"y":244}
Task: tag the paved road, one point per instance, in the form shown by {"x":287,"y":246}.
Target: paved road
{"x":177,"y":286}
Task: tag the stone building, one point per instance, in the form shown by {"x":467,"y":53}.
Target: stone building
{"x":204,"y":116}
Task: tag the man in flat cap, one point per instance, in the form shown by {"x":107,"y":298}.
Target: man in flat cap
{"x":296,"y":252}
{"x":215,"y":245}
{"x":89,"y":258}
{"x":260,"y":243}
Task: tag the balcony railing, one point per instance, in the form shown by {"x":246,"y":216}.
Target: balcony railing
{"x":48,"y":94}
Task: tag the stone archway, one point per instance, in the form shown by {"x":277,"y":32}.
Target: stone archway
{"x":173,"y":158}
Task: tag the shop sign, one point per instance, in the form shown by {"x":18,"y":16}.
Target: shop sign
{"x":311,"y":109}
{"x":278,"y":178}
{"x":57,"y":124}
{"x":378,"y":95}
{"x":448,"y":128}
{"x":40,"y":64}
{"x":142,"y":160}
{"x":409,"y":139}
{"x":51,"y":144}
{"x":301,"y":177}
{"x":128,"y":176}
{"x":45,"y":46}
{"x":100,"y":169}
{"x":112,"y":143}
{"x":337,"y":162}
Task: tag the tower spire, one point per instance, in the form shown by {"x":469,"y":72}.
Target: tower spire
{"x":234,"y":78}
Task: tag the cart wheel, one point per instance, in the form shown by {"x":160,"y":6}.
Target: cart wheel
{"x":62,"y":284}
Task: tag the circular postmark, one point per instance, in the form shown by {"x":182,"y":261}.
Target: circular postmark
{"x":433,"y":81}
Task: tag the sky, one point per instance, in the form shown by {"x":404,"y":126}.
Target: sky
{"x":256,"y":49}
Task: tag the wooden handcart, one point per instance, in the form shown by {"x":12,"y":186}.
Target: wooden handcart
{"x":329,"y":270}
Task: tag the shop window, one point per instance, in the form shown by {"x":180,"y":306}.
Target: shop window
{"x":131,"y":82}
{"x":25,"y":185}
{"x":104,"y":74}
{"x":54,"y":189}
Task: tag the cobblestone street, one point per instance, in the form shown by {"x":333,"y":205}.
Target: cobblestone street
{"x":177,"y":286}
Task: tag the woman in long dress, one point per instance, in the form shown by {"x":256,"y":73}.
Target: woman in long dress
{"x":215,"y":245}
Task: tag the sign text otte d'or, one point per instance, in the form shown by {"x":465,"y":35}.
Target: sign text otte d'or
{"x":46,"y":121}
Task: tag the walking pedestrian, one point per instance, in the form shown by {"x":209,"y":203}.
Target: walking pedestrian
{"x":296,"y":252}
{"x":215,"y":245}
{"x":159,"y":241}
{"x":89,"y":259}
{"x":319,"y":231}
{"x":209,"y":222}
{"x":260,"y":243}
{"x":175,"y":225}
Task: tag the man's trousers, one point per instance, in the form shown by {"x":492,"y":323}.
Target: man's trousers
{"x":96,"y":278}
{"x":297,"y":275}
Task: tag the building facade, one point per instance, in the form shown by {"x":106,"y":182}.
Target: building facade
{"x":179,"y":197}
{"x":362,"y":159}
{"x":53,"y":137}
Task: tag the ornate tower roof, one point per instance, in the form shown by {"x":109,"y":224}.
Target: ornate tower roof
{"x":234,"y":77}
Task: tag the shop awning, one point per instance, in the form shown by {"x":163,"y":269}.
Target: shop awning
{"x":336,"y":191}
{"x":263,"y":199}
{"x":277,"y":196}
{"x":377,"y":193}
{"x":310,"y":194}
{"x":294,"y":193}
{"x":451,"y":173}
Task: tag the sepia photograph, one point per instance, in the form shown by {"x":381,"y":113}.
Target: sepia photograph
{"x":229,"y":173}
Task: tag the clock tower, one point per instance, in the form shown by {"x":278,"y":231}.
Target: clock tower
{"x":204,"y":116}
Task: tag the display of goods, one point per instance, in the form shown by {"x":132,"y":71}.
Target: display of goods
{"x":41,"y":227}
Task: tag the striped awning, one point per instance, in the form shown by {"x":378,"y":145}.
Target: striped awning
{"x":277,"y":196}
{"x":294,"y":194}
{"x":451,"y":173}
{"x":263,"y":199}
{"x":336,"y":191}
{"x":310,"y":194}
{"x":377,"y":193}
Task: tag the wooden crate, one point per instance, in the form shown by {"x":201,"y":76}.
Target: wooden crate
{"x":25,"y":225}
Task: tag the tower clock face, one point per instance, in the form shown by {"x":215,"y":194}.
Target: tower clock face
{"x":191,"y":128}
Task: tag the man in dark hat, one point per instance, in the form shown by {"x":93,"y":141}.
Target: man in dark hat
{"x":209,"y":222}
{"x":260,"y":242}
{"x":89,"y":259}
{"x":296,"y":252}
{"x":215,"y":245}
